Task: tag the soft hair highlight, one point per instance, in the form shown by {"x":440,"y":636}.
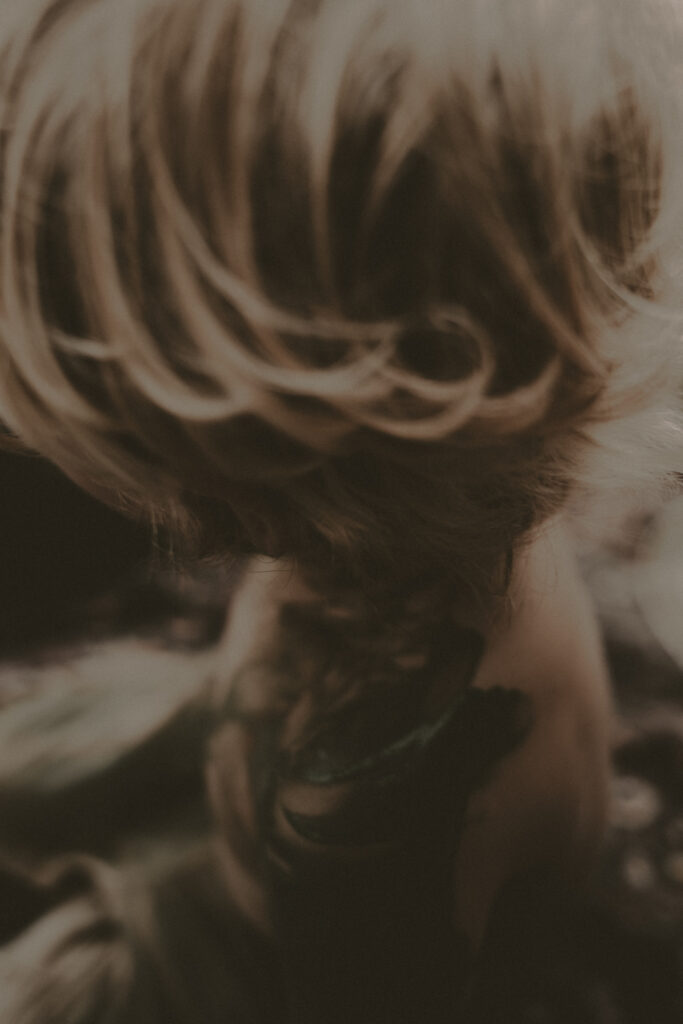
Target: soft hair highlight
{"x":357,"y":283}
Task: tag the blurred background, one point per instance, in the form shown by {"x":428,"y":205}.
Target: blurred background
{"x":76,"y":578}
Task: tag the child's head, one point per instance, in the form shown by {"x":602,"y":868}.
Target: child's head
{"x":347,"y":281}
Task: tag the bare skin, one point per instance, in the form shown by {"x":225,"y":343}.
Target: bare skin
{"x":546,"y":805}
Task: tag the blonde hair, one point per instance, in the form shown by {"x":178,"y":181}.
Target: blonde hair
{"x":354,"y":282}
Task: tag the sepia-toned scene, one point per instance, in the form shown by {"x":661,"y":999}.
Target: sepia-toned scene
{"x":341,"y":512}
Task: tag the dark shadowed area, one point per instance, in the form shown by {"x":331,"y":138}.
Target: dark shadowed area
{"x":75,"y":572}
